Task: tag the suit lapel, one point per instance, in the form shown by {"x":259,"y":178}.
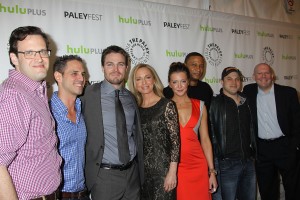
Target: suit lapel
{"x":97,"y":109}
{"x":279,"y":101}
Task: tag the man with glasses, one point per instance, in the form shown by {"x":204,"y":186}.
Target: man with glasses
{"x":29,"y":161}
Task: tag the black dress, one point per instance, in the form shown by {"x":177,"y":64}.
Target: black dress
{"x":161,"y":146}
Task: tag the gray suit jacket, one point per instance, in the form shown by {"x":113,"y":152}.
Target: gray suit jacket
{"x":92,"y":112}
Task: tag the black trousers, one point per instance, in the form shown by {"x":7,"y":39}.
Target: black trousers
{"x":277,"y":157}
{"x":113,"y":184}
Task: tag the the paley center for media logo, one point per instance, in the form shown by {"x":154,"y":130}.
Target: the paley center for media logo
{"x":138,"y":50}
{"x":213,"y":54}
{"x":17,"y":9}
{"x":268,"y":55}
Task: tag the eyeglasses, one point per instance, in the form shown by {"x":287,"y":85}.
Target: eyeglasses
{"x":31,"y":54}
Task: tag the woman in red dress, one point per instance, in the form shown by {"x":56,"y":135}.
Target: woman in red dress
{"x":196,"y":173}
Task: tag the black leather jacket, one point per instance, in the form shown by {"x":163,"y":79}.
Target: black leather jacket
{"x":217,"y":115}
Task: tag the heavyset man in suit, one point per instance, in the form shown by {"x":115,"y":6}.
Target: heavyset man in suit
{"x":107,"y":177}
{"x":276,"y":114}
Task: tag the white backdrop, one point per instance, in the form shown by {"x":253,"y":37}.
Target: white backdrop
{"x":156,"y":34}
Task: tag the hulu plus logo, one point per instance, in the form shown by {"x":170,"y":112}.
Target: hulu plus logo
{"x":288,"y":57}
{"x":243,"y":56}
{"x":206,"y":28}
{"x":22,"y":11}
{"x":212,"y":80}
{"x":178,"y":54}
{"x":131,"y":20}
{"x":264,"y":34}
{"x":83,"y":50}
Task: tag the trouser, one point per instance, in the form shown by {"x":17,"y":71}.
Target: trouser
{"x":114,"y":184}
{"x":237,"y":179}
{"x":275,"y":157}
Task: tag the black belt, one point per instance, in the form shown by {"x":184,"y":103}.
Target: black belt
{"x":75,"y":195}
{"x":118,"y":167}
{"x":52,"y":196}
{"x":272,"y":139}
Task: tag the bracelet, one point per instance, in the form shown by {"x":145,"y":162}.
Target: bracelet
{"x":212,"y":171}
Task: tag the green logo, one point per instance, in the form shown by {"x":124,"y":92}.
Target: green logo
{"x":132,"y":20}
{"x":206,"y":28}
{"x":83,"y":50}
{"x":288,"y":57}
{"x":17,"y":10}
{"x":243,"y":56}
{"x":212,"y":80}
{"x":264,"y":34}
{"x":175,"y":53}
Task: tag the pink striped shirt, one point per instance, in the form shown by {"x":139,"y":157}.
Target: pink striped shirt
{"x":27,"y":137}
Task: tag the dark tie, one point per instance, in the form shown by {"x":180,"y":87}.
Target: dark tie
{"x":124,"y":155}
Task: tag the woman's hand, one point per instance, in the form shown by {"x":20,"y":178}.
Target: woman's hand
{"x":170,"y":181}
{"x":213,"y":185}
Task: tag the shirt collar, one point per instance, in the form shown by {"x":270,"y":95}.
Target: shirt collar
{"x":261,"y":92}
{"x":61,"y":109}
{"x":30,"y":84}
{"x":107,"y":88}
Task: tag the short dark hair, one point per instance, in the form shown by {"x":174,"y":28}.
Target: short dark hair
{"x":61,"y":62}
{"x":192,"y":54}
{"x":114,"y":49}
{"x":177,"y":67}
{"x":20,"y":33}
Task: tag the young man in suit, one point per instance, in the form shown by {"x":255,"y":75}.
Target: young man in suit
{"x":276,"y":114}
{"x":111,"y":175}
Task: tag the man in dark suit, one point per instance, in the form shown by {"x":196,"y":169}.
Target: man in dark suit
{"x":108,"y":176}
{"x":276,"y":114}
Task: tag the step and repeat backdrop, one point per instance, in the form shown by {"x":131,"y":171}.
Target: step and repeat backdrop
{"x":155,"y":34}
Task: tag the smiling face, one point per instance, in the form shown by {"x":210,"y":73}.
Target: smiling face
{"x":144,"y":81}
{"x":263,"y":76}
{"x":231,"y":84}
{"x":35,"y":68}
{"x":115,"y":69}
{"x":72,"y":80}
{"x":179,"y":83}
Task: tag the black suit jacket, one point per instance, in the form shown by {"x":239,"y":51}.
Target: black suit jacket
{"x":287,"y":106}
{"x":92,"y":112}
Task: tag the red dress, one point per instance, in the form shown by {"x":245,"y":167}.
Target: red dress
{"x":192,"y":169}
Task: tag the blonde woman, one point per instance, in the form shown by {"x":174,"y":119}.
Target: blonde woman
{"x":160,"y":127}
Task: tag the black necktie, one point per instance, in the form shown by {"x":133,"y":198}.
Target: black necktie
{"x":123,"y":148}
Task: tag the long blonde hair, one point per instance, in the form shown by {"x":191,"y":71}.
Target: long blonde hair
{"x":157,"y":88}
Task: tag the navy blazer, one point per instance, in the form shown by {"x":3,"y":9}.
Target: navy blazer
{"x":92,"y":112}
{"x":287,"y":107}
